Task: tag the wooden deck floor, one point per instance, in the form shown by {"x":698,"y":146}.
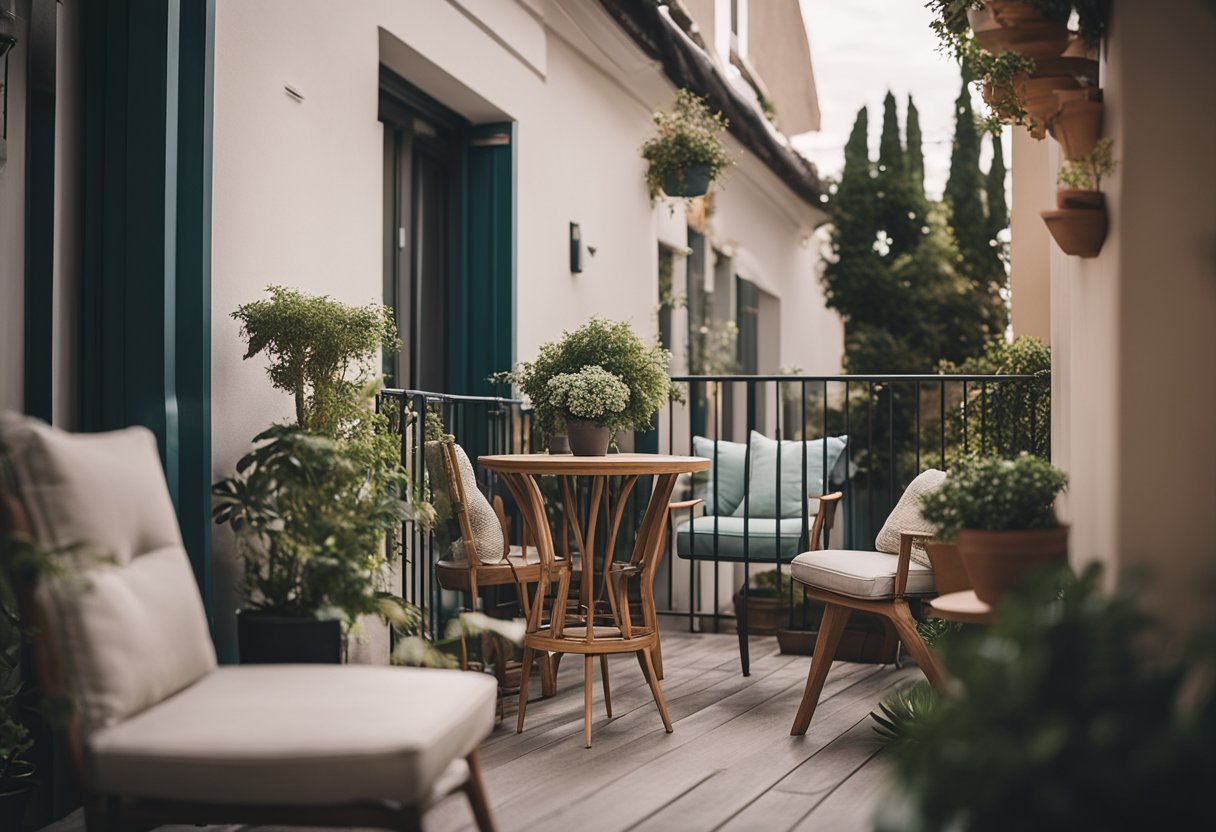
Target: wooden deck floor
{"x":729,"y":765}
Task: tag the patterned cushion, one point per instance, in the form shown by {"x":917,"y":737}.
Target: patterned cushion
{"x":907,"y":518}
{"x":488,"y":538}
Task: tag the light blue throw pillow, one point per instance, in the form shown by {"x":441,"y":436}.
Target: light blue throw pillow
{"x":762,"y":493}
{"x":727,"y":460}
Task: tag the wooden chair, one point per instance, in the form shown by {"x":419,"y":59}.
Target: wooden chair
{"x":157,"y":733}
{"x":472,"y":573}
{"x":579,"y":633}
{"x":866,"y":581}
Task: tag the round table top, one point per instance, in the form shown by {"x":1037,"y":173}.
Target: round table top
{"x":608,"y":465}
{"x":964,"y":607}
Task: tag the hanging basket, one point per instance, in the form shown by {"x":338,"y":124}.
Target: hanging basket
{"x":686,"y":183}
{"x":1037,"y":91}
{"x":1079,"y":232}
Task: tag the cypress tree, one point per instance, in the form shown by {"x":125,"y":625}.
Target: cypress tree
{"x":994,"y":185}
{"x":901,"y":203}
{"x":915,"y":153}
{"x":890,"y":150}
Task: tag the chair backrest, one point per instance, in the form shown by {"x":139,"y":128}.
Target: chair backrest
{"x":482,"y":536}
{"x":123,"y":611}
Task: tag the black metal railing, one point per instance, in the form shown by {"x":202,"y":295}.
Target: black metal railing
{"x":896,"y":427}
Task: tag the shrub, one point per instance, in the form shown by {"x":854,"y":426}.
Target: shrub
{"x":688,"y":136}
{"x":995,"y":494}
{"x":592,"y":394}
{"x":1086,"y":173}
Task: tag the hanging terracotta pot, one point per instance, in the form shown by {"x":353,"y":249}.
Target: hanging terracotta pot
{"x":997,"y":561}
{"x":1079,"y":232}
{"x":1037,"y":91}
{"x":1082,"y":198}
{"x":1016,"y":25}
{"x":1077,"y":123}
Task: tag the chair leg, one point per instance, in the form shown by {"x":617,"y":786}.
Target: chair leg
{"x":524,"y":672}
{"x":905,"y":625}
{"x":830,"y":630}
{"x":475,"y":789}
{"x":653,"y":679}
{"x":604,"y":681}
{"x":548,"y":674}
{"x":588,"y":689}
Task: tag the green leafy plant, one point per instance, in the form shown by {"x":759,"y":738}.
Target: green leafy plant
{"x":902,"y":708}
{"x":1086,"y":173}
{"x":311,"y":518}
{"x":612,"y":346}
{"x":997,"y":75}
{"x":592,"y":394}
{"x":324,"y":353}
{"x":688,"y":136}
{"x":1071,"y":712}
{"x":994,"y":494}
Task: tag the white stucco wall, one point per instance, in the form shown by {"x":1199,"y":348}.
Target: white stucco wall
{"x":298,"y":184}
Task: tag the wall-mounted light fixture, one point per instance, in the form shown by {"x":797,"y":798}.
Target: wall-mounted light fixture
{"x":8,"y":39}
{"x":576,"y":248}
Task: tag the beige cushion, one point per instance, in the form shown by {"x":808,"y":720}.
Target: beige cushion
{"x":487,"y":531}
{"x":129,"y":616}
{"x":858,"y":574}
{"x":906,"y":516}
{"x":299,"y":734}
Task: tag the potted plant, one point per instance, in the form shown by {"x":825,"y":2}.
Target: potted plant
{"x":1036,"y":28}
{"x":686,"y":154}
{"x":1079,"y":222}
{"x":1077,"y":122}
{"x":1002,"y":514}
{"x":591,"y":401}
{"x":769,"y":603}
{"x":314,"y":505}
{"x":616,"y":349}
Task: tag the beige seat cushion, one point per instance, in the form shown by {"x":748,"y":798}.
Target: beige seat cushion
{"x":128,"y":616}
{"x":858,"y":574}
{"x":299,"y":734}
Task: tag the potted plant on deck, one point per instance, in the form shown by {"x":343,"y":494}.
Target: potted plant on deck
{"x":1002,"y":514}
{"x":686,"y":154}
{"x":316,"y":504}
{"x":1079,"y":222}
{"x":612,"y":347}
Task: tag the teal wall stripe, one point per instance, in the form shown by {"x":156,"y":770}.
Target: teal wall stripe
{"x":40,"y":210}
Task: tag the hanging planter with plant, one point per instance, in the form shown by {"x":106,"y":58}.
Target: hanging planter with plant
{"x":1035,"y":28}
{"x":1079,"y":222}
{"x":686,"y":154}
{"x":1077,"y":123}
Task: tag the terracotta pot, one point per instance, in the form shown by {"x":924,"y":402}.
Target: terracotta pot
{"x":1038,"y":96}
{"x":949,"y":573}
{"x":998,"y":561}
{"x":1079,"y":198}
{"x":1004,"y":25}
{"x":587,"y":438}
{"x":1079,"y":232}
{"x":559,"y":444}
{"x":1076,"y":125}
{"x":764,"y":613}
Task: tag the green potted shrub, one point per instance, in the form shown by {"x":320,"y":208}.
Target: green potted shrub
{"x":591,"y":400}
{"x":1001,"y":513}
{"x":1079,"y":223}
{"x":1073,"y":711}
{"x":686,"y":154}
{"x":16,"y":772}
{"x":612,"y":347}
{"x":316,"y":504}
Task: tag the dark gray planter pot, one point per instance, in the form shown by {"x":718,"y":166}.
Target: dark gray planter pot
{"x":686,"y":182}
{"x":274,"y":639}
{"x":587,"y":438}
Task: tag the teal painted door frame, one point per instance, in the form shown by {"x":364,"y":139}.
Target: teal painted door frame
{"x":487,"y":292}
{"x":145,"y":303}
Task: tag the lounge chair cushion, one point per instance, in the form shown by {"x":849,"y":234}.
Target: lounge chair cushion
{"x":129,"y":616}
{"x":906,"y":516}
{"x":762,"y":498}
{"x":721,"y":487}
{"x":298,"y":735}
{"x":858,"y":574}
{"x":766,"y":537}
{"x":488,"y":537}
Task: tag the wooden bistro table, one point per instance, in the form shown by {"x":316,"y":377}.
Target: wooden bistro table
{"x":582,"y":633}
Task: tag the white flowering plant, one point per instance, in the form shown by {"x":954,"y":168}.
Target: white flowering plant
{"x":994,"y":494}
{"x":592,"y":394}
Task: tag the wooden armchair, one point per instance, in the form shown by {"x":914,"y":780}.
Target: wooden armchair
{"x":875,"y":582}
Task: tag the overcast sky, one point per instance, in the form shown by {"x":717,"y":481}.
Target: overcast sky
{"x":859,"y":50}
